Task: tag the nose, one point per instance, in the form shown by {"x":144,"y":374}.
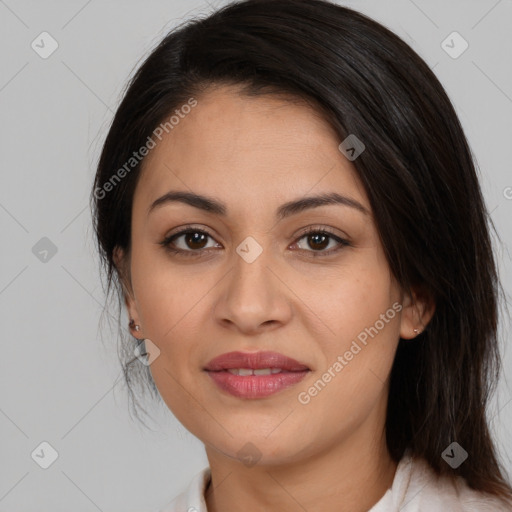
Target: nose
{"x":252,"y":298}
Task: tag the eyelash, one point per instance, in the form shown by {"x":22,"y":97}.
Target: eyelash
{"x":166,"y":243}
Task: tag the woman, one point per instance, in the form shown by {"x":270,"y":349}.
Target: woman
{"x":289,"y":206}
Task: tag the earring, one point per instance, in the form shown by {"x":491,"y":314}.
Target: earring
{"x":133,"y":326}
{"x":416,"y":331}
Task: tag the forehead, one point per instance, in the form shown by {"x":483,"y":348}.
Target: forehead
{"x":248,"y":146}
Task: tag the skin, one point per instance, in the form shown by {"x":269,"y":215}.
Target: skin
{"x":254,"y":154}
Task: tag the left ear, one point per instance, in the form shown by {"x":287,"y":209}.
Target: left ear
{"x":418,"y":310}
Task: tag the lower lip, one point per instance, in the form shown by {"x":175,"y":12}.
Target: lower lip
{"x":255,"y":386}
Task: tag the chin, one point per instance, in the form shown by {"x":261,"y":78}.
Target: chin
{"x":258,"y":449}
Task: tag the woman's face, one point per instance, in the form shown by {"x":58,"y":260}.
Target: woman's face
{"x":257,"y":281}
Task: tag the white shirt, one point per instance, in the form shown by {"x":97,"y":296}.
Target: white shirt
{"x":415,"y":488}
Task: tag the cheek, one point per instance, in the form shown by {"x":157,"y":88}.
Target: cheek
{"x":173,"y":305}
{"x":348,"y":299}
{"x":361,"y":309}
{"x":352,"y":383}
{"x":168,"y":303}
{"x":166,"y":296}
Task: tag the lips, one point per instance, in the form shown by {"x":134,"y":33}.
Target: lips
{"x":256,"y":375}
{"x":254,"y":361}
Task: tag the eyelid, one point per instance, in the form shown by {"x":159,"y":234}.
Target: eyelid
{"x":319,"y":228}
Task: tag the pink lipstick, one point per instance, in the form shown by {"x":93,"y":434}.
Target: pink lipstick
{"x":256,"y":374}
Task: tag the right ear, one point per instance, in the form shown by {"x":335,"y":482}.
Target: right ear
{"x":122,"y":264}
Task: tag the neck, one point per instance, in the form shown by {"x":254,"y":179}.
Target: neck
{"x":351,"y":476}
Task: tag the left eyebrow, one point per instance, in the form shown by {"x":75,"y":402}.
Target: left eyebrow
{"x":305,"y":203}
{"x":211,"y":205}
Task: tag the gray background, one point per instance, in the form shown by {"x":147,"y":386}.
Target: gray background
{"x":59,"y":381}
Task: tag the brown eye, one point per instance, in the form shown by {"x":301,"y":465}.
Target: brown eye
{"x":195,"y":240}
{"x":318,"y":240}
{"x":188,"y":242}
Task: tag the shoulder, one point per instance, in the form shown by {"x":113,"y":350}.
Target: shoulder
{"x":417,"y":488}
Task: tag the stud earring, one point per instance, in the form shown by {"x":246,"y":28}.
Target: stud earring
{"x":133,"y":325}
{"x":416,"y":331}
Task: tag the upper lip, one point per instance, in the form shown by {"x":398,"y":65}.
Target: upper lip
{"x":254,"y":360}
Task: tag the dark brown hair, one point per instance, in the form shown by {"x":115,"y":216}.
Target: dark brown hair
{"x":417,"y":171}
